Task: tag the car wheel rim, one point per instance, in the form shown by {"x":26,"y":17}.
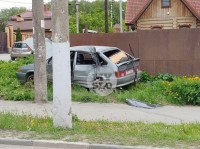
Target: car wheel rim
{"x":101,"y":87}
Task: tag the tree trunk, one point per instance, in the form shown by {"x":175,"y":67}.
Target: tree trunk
{"x":62,"y":115}
{"x":40,"y":77}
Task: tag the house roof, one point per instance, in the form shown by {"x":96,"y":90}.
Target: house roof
{"x":135,"y":8}
{"x":28,"y":25}
{"x":28,"y":14}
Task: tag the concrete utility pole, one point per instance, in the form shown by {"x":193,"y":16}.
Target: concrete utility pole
{"x":77,"y":17}
{"x":40,"y":77}
{"x":106,"y":16}
{"x":120,"y":9}
{"x":62,"y":115}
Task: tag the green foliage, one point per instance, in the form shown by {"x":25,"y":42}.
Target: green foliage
{"x":10,"y":88}
{"x":157,"y":134}
{"x":5,"y":15}
{"x":83,"y":95}
{"x":2,"y":25}
{"x":151,"y":94}
{"x":165,"y":77}
{"x":92,"y":14}
{"x":162,"y":89}
{"x":146,"y":77}
{"x":18,"y":35}
{"x":184,"y":91}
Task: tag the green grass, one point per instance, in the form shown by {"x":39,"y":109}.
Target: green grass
{"x":138,"y":133}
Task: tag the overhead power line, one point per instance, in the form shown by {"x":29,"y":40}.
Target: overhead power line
{"x":14,"y":2}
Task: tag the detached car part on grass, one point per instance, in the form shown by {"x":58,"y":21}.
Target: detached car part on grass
{"x":99,"y":68}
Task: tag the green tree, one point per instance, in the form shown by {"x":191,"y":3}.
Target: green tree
{"x":18,"y":35}
{"x":5,"y":15}
{"x":92,"y":14}
{"x":2,"y":25}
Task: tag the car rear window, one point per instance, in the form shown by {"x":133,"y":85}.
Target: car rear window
{"x":116,"y":56}
{"x":20,"y":45}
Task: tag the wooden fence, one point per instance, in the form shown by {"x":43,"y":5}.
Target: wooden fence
{"x":3,"y":43}
{"x":173,"y":51}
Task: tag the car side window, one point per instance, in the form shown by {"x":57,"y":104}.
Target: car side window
{"x":101,"y":60}
{"x":84,"y":59}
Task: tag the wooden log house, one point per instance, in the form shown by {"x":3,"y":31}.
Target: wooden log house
{"x":162,"y":14}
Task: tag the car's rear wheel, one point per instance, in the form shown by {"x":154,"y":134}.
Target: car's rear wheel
{"x":102,"y":87}
{"x":30,"y":78}
{"x":12,"y":58}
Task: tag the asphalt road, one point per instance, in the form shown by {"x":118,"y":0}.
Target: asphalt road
{"x":2,"y":146}
{"x":109,"y":112}
{"x":5,"y":57}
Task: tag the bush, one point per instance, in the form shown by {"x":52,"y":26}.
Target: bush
{"x":184,"y":91}
{"x":146,"y":77}
{"x":18,"y":35}
{"x":10,"y":87}
{"x":165,"y":77}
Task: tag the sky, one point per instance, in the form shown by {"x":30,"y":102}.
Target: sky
{"x":19,"y":3}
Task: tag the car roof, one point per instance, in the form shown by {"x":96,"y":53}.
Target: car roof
{"x":92,"y":48}
{"x":20,"y":42}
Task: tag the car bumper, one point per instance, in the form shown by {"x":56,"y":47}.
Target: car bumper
{"x":15,"y":55}
{"x":21,"y":76}
{"x":128,"y":79}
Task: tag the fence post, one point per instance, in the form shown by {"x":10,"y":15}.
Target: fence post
{"x":8,"y":36}
{"x":11,"y":35}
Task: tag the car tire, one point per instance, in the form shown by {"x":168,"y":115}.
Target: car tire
{"x":30,"y":78}
{"x":12,"y":58}
{"x":100,"y":87}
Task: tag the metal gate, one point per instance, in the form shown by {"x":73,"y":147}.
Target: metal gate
{"x":3,"y":42}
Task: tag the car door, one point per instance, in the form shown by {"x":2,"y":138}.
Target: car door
{"x":49,"y":69}
{"x":84,"y":69}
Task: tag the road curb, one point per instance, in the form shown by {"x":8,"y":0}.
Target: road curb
{"x":16,"y":142}
{"x":67,"y":145}
{"x":60,"y":144}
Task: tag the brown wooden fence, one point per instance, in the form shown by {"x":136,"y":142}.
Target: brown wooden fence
{"x":173,"y":51}
{"x":3,"y":42}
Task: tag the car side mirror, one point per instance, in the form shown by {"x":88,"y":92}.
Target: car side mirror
{"x":49,"y":60}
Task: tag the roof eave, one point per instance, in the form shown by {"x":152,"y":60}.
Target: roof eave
{"x":134,"y":20}
{"x":191,"y":9}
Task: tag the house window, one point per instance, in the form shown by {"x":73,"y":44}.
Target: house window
{"x":166,"y":3}
{"x":157,"y":27}
{"x":184,"y":26}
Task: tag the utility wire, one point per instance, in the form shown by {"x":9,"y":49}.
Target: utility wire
{"x":14,"y":2}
